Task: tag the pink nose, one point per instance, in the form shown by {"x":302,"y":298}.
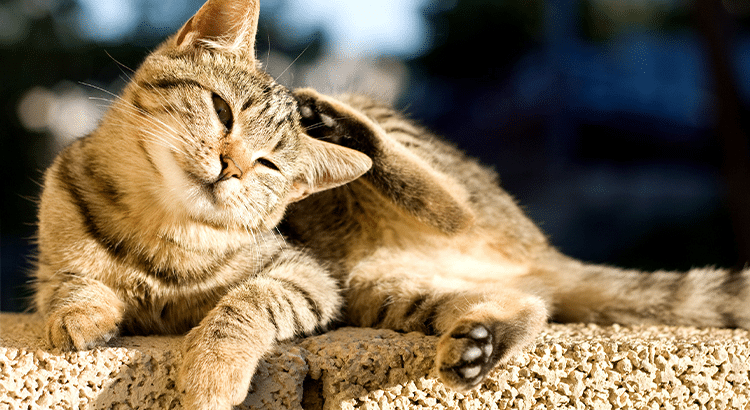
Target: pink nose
{"x":229,"y":169}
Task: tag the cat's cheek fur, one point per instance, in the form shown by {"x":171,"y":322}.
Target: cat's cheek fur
{"x":176,"y":191}
{"x":182,"y":194}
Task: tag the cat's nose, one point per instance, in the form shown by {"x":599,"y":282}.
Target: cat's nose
{"x":229,"y":169}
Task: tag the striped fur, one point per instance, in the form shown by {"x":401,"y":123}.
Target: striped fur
{"x":162,"y":221}
{"x":428,"y":241}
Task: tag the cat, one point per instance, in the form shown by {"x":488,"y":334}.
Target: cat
{"x":215,"y":202}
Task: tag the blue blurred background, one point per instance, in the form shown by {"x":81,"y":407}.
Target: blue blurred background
{"x":621,"y":126}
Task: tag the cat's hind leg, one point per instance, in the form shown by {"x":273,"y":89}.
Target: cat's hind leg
{"x":478,"y":328}
{"x":485,"y":334}
{"x":399,"y":174}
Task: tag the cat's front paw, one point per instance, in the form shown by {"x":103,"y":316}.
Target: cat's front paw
{"x":82,"y":327}
{"x":215,"y":373}
{"x":466,"y":355}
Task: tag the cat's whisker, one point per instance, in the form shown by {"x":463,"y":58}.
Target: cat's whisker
{"x":137,"y":113}
{"x":163,"y":142}
{"x":182,"y":132}
{"x":167,"y":137}
{"x":104,"y":100}
{"x":171,"y":112}
{"x":294,"y":61}
{"x":128,"y":104}
{"x":121,"y":66}
{"x":322,"y":124}
{"x":141,"y":113}
{"x":280,"y":236}
{"x":102,"y":89}
{"x":315,"y":126}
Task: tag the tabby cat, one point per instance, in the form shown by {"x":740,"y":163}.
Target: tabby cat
{"x":169,"y":219}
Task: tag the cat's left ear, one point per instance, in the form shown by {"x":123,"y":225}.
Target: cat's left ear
{"x":222,"y":24}
{"x":328,"y":166}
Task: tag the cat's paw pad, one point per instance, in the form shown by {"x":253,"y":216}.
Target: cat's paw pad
{"x":319,"y":118}
{"x":313,"y":115}
{"x":330,"y":120}
{"x":466,"y":355}
{"x":81,"y":328}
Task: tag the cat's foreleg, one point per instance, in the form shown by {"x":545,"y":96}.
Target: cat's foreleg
{"x":80,"y":312}
{"x":478,"y":328}
{"x":293,"y":296}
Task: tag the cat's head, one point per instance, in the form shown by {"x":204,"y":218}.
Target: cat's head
{"x":223,"y":138}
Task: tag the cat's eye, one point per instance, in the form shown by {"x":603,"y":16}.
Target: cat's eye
{"x":223,"y":111}
{"x":266,"y":163}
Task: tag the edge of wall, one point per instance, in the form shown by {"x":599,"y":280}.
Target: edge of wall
{"x":572,"y":366}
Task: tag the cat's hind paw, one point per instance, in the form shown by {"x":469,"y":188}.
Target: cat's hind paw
{"x":328,"y":119}
{"x":466,"y":355}
{"x":484,"y":338}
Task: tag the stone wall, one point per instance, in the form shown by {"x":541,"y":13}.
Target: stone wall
{"x":570,"y":366}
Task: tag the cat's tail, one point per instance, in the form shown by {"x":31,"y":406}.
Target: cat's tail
{"x":704,"y":297}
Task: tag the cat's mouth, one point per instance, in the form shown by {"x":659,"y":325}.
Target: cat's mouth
{"x":212,"y":189}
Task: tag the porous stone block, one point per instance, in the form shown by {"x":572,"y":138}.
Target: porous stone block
{"x":569,"y":366}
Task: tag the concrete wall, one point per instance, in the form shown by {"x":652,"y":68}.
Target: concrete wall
{"x":571,"y":366}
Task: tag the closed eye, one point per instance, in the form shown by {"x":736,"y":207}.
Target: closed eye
{"x":223,"y":112}
{"x":266,"y":163}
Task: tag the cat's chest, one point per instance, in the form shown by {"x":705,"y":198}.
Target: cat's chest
{"x":168,"y":313}
{"x":191,"y":260}
{"x":174,"y":295}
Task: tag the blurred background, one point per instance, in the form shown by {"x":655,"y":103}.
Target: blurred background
{"x":621,"y":126}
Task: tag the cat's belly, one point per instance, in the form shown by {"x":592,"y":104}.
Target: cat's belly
{"x":444,"y":261}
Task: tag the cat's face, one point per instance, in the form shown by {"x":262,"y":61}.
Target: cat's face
{"x":223,"y":136}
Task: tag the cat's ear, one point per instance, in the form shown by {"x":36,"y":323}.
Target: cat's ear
{"x":328,"y":166}
{"x":223,"y":24}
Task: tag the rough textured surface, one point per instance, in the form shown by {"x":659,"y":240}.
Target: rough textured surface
{"x":571,"y":366}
